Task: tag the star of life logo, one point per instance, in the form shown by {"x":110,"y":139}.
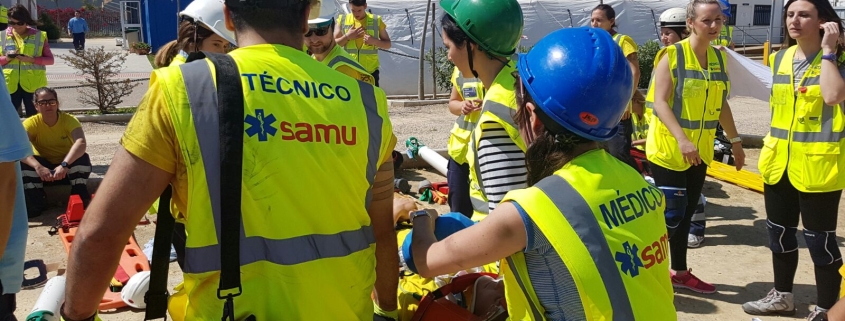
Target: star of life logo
{"x":631,"y":258}
{"x":261,"y":125}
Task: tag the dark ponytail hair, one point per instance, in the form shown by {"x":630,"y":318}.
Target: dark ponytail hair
{"x":547,"y":152}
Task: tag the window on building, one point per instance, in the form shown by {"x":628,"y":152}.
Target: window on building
{"x":732,"y":19}
{"x":762,"y":14}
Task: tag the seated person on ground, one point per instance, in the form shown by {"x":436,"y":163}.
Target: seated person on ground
{"x":59,"y":145}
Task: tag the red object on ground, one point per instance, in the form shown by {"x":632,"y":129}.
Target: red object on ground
{"x":441,"y":187}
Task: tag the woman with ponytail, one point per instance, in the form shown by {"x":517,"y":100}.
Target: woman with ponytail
{"x":571,"y":252}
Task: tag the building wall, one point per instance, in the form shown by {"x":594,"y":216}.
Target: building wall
{"x":160,"y":21}
{"x":751,"y":21}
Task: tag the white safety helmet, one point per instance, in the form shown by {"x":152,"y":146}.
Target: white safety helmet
{"x":674,"y":17}
{"x":134,"y":290}
{"x":323,"y":13}
{"x":210,"y":14}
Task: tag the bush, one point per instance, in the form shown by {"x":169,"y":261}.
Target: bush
{"x":99,"y":67}
{"x":45,"y":23}
{"x":646,"y":54}
{"x":443,"y":74}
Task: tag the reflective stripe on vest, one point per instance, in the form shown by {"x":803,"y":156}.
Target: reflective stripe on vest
{"x":826,"y":134}
{"x":367,"y":55}
{"x":682,"y":73}
{"x":504,"y":113}
{"x":35,"y":75}
{"x":202,"y":96}
{"x":341,"y":59}
{"x":807,"y":136}
{"x":572,"y":205}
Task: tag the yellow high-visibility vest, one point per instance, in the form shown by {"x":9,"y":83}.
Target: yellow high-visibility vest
{"x":498,"y":106}
{"x":462,"y":129}
{"x":29,"y":75}
{"x":366,"y":55}
{"x":807,"y":135}
{"x":304,"y":127}
{"x":696,"y":102}
{"x":606,"y":224}
{"x":725,"y":36}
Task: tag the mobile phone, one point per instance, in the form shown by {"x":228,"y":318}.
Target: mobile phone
{"x":12,"y":55}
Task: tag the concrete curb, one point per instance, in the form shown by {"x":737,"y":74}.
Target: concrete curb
{"x":751,"y":141}
{"x":414,"y":103}
{"x":105,"y":118}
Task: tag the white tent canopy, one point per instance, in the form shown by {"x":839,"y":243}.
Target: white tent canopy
{"x":405,"y":18}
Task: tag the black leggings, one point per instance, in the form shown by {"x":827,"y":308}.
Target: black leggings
{"x":693,"y":180}
{"x":818,"y":213}
{"x":22,"y":96}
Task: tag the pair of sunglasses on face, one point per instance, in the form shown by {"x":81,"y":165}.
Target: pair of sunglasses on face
{"x":16,"y":23}
{"x":319,"y":32}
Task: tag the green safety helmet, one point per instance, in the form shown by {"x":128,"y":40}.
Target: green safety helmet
{"x":4,"y":15}
{"x":495,"y":25}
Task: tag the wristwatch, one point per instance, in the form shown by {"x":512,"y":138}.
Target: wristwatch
{"x":736,"y":139}
{"x":64,"y":164}
{"x":419,"y":213}
{"x":830,"y":56}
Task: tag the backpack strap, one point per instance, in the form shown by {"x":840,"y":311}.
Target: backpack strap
{"x":156,"y":296}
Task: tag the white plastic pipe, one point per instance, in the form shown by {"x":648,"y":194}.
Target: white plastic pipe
{"x":434,"y":159}
{"x":50,"y":300}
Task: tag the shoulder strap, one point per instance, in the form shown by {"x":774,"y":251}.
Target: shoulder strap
{"x":230,"y":109}
{"x":156,"y":296}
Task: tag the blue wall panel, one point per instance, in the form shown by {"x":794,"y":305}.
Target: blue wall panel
{"x":160,"y":21}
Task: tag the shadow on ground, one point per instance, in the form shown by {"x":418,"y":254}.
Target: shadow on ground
{"x":696,"y":303}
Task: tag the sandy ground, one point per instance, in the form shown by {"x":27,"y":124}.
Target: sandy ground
{"x":734,"y":257}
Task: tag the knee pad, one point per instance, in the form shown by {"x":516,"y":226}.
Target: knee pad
{"x":781,"y":239}
{"x":676,"y":205}
{"x":822,"y":246}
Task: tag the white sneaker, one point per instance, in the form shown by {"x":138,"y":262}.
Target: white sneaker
{"x":780,"y":303}
{"x":694,"y":241}
{"x":818,"y":314}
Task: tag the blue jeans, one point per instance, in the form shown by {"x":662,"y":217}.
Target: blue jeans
{"x":457,"y":177}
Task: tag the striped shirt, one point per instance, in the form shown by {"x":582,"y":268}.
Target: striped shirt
{"x":501,"y":163}
{"x":552,"y":282}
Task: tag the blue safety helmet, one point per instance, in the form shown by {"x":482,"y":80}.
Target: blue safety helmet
{"x":444,"y":225}
{"x":580,"y":79}
{"x":725,"y":5}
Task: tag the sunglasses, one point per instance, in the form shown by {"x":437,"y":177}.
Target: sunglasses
{"x":49,"y":102}
{"x":317,"y":31}
{"x":16,"y":23}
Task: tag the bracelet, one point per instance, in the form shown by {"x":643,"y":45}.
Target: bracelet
{"x":736,"y":140}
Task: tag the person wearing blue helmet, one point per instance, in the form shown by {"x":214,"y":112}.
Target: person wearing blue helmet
{"x":586,"y":240}
{"x":725,"y":39}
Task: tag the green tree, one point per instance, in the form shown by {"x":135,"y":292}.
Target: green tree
{"x":646,"y":54}
{"x":45,"y":23}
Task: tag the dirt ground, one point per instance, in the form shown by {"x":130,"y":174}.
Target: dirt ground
{"x":734,"y":257}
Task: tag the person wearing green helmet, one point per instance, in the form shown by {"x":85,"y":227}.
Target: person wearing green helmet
{"x":480,"y":36}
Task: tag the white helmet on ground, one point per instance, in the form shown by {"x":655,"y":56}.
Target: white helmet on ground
{"x":323,"y":13}
{"x":674,"y":17}
{"x":135,"y":289}
{"x":210,"y":14}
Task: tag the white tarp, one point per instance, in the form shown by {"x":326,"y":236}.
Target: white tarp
{"x":405,"y":18}
{"x":748,"y":77}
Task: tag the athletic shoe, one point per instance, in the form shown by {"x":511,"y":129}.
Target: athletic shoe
{"x":818,"y":314}
{"x":691,"y":282}
{"x":780,"y":303}
{"x":694,"y":241}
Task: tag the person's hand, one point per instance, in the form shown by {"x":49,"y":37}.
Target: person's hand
{"x":739,"y":155}
{"x":380,"y":314}
{"x":59,"y":173}
{"x":690,"y":152}
{"x":27,"y":59}
{"x":627,"y":114}
{"x":402,"y":208}
{"x":470,"y":106}
{"x":369,"y":40}
{"x":831,"y":36}
{"x":44,"y":174}
{"x":355,"y":33}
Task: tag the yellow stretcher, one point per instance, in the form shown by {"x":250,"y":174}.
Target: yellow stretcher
{"x":728,"y":173}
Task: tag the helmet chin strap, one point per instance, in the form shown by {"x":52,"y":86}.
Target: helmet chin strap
{"x":469,"y":56}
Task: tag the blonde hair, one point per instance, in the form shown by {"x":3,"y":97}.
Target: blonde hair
{"x":691,"y":12}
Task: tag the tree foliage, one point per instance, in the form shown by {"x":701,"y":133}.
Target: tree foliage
{"x":99,"y":68}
